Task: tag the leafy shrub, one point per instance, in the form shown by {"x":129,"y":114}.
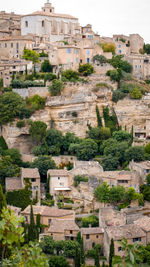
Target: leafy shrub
{"x":43,"y":54}
{"x":100,"y":58}
{"x":46,"y":66}
{"x":70,"y":74}
{"x":36,"y":102}
{"x":3,"y":144}
{"x":118,"y":63}
{"x":90,"y":220}
{"x":56,"y":87}
{"x":79,"y":178}
{"x":86,"y":69}
{"x":108,"y":47}
{"x":136,"y":94}
{"x":115,"y":75}
{"x":20,"y":124}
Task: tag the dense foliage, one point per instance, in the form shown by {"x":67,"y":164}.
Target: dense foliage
{"x":86,"y":69}
{"x":56,"y":87}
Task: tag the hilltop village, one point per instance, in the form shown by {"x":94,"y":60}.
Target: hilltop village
{"x":74,"y":144}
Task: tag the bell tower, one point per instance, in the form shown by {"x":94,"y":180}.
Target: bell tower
{"x":48,"y":8}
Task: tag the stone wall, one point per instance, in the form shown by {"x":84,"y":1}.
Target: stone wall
{"x":31,"y":91}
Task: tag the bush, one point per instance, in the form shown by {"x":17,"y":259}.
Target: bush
{"x":135,"y":153}
{"x":79,"y":178}
{"x":43,"y":54}
{"x":108,"y":47}
{"x":90,"y":220}
{"x":87,"y":149}
{"x":46,"y":66}
{"x":86,"y":69}
{"x":118,"y":63}
{"x":36,"y":102}
{"x":115,"y":75}
{"x":100,"y":58}
{"x":21,"y":124}
{"x":56,"y":87}
{"x":3,"y":144}
{"x":70,"y":74}
{"x":136,"y":94}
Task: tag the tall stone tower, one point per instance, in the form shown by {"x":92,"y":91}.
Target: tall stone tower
{"x":48,"y":8}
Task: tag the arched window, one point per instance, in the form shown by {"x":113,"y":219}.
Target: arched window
{"x":43,"y":24}
{"x":26,"y":24}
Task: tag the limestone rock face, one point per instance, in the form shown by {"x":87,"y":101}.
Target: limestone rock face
{"x":17,"y":137}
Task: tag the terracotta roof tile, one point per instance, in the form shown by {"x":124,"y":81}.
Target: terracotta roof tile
{"x":128,"y":231}
{"x":48,"y":211}
{"x":47,"y":14}
{"x":144,"y":223}
{"x":59,"y":226}
{"x":30,"y":173}
{"x":61,"y":172}
{"x":92,"y":230}
{"x":13,"y":183}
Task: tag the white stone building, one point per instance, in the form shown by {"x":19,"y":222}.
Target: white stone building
{"x":47,"y":23}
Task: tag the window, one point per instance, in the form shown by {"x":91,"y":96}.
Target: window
{"x":136,"y":239}
{"x":71,"y":232}
{"x":122,"y":181}
{"x":93,"y":245}
{"x":119,"y":248}
{"x":120,"y":51}
{"x":26,"y":24}
{"x":5,"y":45}
{"x":97,"y":236}
{"x":0,"y":45}
{"x":88,"y":52}
{"x":77,"y":60}
{"x":58,"y":178}
{"x":11,"y":45}
{"x":43,"y":24}
{"x":49,"y":221}
{"x":33,"y":180}
{"x":72,"y":238}
{"x":26,"y":218}
{"x":35,"y":187}
{"x":69,"y":50}
{"x":88,"y":60}
{"x":87,"y":236}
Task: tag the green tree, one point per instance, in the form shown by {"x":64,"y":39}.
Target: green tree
{"x":31,"y":55}
{"x":77,"y":259}
{"x":147,"y":148}
{"x":38,"y":131}
{"x":43,"y":163}
{"x":135,"y":153}
{"x":11,"y":105}
{"x":54,"y":140}
{"x":120,"y":136}
{"x":8,"y":169}
{"x":117,"y":62}
{"x":102,"y":193}
{"x":15,"y":156}
{"x":79,"y":239}
{"x":148,"y":179}
{"x":38,"y":225}
{"x":46,"y":66}
{"x":70,"y":75}
{"x":116,"y":194}
{"x":32,"y":231}
{"x":115,"y":75}
{"x":111,"y":252}
{"x":86,"y":69}
{"x":47,"y":244}
{"x":58,"y":261}
{"x":56,"y":87}
{"x":87,"y":149}
{"x":97,"y":255}
{"x":90,"y":220}
{"x":100,"y":58}
{"x":110,"y":163}
{"x":2,"y":200}
{"x":99,"y":120}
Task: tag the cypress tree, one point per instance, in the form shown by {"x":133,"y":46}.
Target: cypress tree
{"x":97,"y":258}
{"x":99,"y":120}
{"x":111,"y":252}
{"x":2,"y":200}
{"x":32,"y":231}
{"x":38,"y":224}
{"x":77,"y":259}
{"x":79,"y":239}
{"x":131,"y":134}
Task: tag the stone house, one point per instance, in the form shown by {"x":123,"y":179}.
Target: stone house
{"x":16,"y":210}
{"x":13,"y":46}
{"x":9,"y":24}
{"x":34,"y":178}
{"x":126,"y":179}
{"x":69,"y":56}
{"x":108,"y":216}
{"x":131,"y":232}
{"x":48,"y":214}
{"x":142,"y":168}
{"x":17,"y":183}
{"x":144,"y":223}
{"x":92,"y":236}
{"x":64,"y":229}
{"x":59,"y":181}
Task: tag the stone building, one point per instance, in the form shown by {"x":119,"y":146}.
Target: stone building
{"x":131,"y":232}
{"x":69,"y":56}
{"x":92,"y":236}
{"x":48,"y":23}
{"x":13,"y":46}
{"x":48,"y":214}
{"x":17,"y":183}
{"x":126,"y":179}
{"x":9,"y":24}
{"x":142,"y":168}
{"x":62,"y":229}
{"x":144,"y":223}
{"x":59,"y":181}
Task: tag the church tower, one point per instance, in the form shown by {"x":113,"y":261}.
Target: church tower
{"x":48,"y":8}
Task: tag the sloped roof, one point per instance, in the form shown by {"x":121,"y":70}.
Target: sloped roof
{"x":144,"y":223}
{"x":92,"y":230}
{"x":59,"y":226}
{"x":128,"y":231}
{"x":48,"y":211}
{"x":47,"y":14}
{"x":13,"y":183}
{"x":30,"y":173}
{"x":61,"y":172}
